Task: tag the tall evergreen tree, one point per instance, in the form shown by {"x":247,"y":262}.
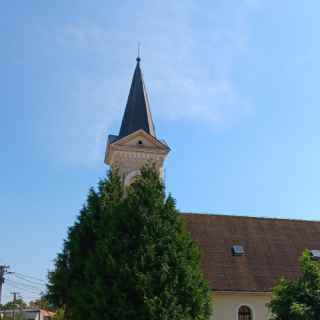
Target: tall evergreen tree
{"x":129,"y":256}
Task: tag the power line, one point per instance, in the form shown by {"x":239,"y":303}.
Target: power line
{"x":24,"y":290}
{"x":31,"y":277}
{"x":6,"y":296}
{"x":21,"y":289}
{"x":27,"y":280}
{"x":16,"y":285}
{"x":26,"y":284}
{"x":32,"y":285}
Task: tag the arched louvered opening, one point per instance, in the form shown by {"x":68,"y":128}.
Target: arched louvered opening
{"x":245,"y":313}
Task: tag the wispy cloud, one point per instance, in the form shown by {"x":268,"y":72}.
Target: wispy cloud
{"x":189,"y":55}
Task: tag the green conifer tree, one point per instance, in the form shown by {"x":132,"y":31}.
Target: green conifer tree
{"x":129,"y":256}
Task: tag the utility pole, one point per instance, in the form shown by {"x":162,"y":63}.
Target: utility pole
{"x":14,"y":296}
{"x":14,"y":304}
{"x":3,"y":271}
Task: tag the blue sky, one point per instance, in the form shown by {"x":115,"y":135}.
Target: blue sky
{"x":234,"y":90}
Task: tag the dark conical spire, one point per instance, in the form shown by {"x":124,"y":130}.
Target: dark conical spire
{"x":137,"y":114}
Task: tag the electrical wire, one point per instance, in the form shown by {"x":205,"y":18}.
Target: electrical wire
{"x":31,"y":287}
{"x":30,"y":277}
{"x":23,"y":287}
{"x":32,"y":284}
{"x":20,"y":281}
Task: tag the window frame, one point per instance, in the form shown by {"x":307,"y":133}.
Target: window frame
{"x":248,"y":306}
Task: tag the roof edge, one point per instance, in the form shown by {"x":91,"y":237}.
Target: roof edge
{"x":242,"y":291}
{"x":244,"y":216}
{"x":118,"y":138}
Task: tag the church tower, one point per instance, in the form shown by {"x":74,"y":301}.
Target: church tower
{"x":137,"y":143}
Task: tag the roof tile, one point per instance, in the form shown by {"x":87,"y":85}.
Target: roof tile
{"x":272,"y":249}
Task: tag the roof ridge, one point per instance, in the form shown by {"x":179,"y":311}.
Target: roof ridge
{"x":246,"y":216}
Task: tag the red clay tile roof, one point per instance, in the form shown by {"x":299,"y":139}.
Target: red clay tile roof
{"x":272,"y":249}
{"x":47,"y":313}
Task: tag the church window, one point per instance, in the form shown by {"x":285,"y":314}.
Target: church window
{"x":140,"y":142}
{"x":245,"y":313}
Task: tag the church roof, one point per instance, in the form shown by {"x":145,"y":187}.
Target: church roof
{"x":272,"y":248}
{"x":137,"y":114}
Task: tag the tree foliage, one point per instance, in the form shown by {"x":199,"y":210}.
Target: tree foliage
{"x":18,"y":304}
{"x":128,"y":256}
{"x":299,"y":299}
{"x":59,"y":315}
{"x":41,"y":303}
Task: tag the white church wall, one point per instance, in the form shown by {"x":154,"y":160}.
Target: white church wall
{"x":227,"y":304}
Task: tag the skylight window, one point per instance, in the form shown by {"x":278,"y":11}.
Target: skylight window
{"x":315,"y":254}
{"x":238,"y":250}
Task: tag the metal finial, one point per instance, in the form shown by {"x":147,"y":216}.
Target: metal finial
{"x":139,"y":47}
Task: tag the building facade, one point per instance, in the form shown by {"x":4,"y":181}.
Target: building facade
{"x":242,"y":258}
{"x":27,"y":314}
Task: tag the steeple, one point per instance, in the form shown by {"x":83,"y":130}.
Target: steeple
{"x":136,"y":144}
{"x":137,"y":114}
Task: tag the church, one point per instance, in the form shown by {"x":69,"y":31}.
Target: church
{"x":242,"y":257}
